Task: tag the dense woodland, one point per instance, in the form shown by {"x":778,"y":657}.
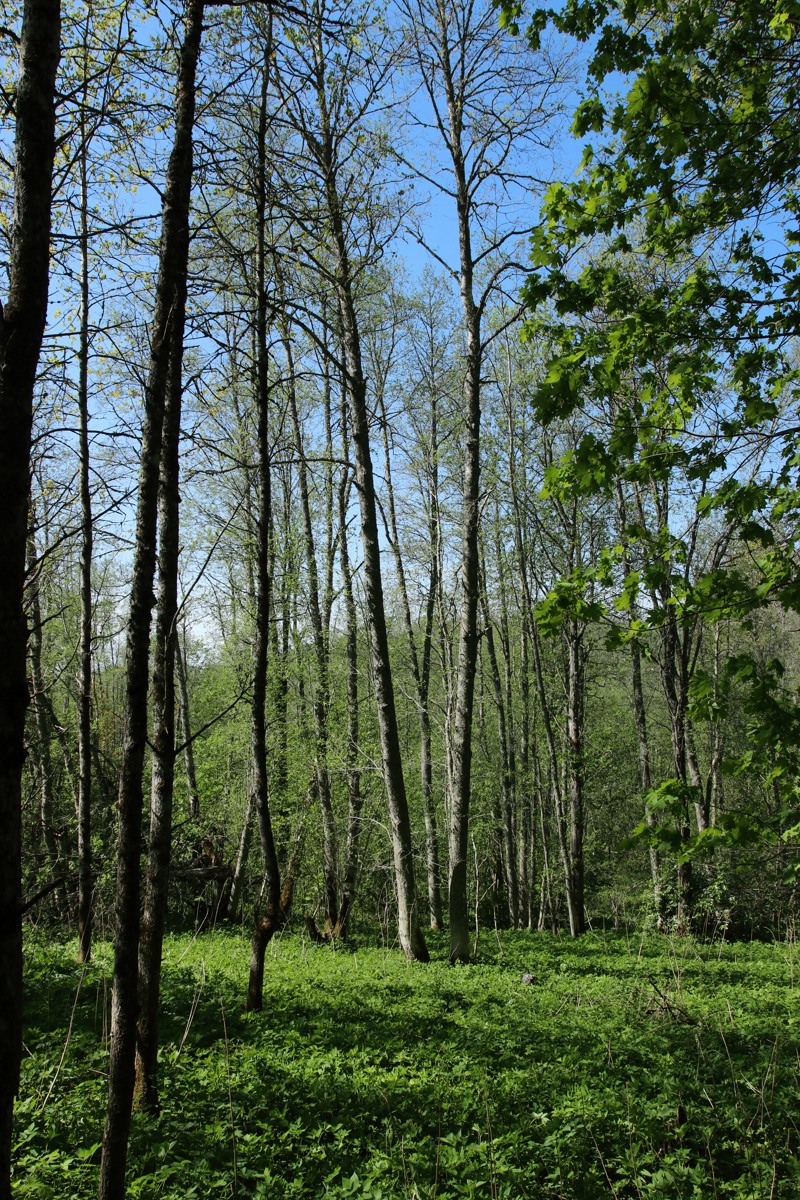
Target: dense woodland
{"x":372,"y":564}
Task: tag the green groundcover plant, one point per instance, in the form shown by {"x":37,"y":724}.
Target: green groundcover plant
{"x":629,"y":1067}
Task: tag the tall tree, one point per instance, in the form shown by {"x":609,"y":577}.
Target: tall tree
{"x":328,"y":110}
{"x":279,"y":895}
{"x":382,"y":349}
{"x":166,"y":349}
{"x":22,"y":323}
{"x":473,"y":79}
{"x":693,"y":165}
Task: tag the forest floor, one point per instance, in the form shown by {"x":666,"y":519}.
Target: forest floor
{"x":631,"y":1067}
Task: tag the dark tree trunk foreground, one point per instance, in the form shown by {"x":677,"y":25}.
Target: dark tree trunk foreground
{"x":22,"y":322}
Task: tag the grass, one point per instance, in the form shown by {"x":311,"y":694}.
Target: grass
{"x":647,"y":1068}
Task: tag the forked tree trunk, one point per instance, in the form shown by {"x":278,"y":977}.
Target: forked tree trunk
{"x":22,"y":323}
{"x":167,"y":330}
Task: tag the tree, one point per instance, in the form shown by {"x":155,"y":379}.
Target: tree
{"x":166,"y":351}
{"x":279,"y":898}
{"x":490,"y":105}
{"x":328,"y":110}
{"x":22,"y":325}
{"x":698,"y":176}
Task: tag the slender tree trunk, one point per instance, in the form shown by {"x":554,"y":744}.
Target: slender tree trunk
{"x":163,"y":744}
{"x":671,"y":650}
{"x":506,"y":830}
{"x":280,"y":630}
{"x":166,"y":332}
{"x":278,"y":901}
{"x":234,"y":898}
{"x":410,"y":932}
{"x":574,"y":774}
{"x":411,"y":938}
{"x":546,"y":903}
{"x":85,"y":881}
{"x":184,"y":715}
{"x":426,"y":754}
{"x":22,"y":323}
{"x":355,"y":798}
{"x":41,"y":713}
{"x":640,"y":719}
{"x":645,"y":777}
{"x":526,"y":827}
{"x":528,"y":749}
{"x":715,"y":790}
{"x":514,"y":839}
{"x":677,"y":714}
{"x":420,"y":671}
{"x":468,"y":624}
{"x":322,"y":692}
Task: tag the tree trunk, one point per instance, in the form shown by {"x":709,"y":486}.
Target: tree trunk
{"x":640,"y":719}
{"x":420,"y":671}
{"x":85,"y":882}
{"x":41,"y":713}
{"x":525,"y":854}
{"x":278,"y":901}
{"x":230,"y":905}
{"x":163,"y":746}
{"x":167,"y":331}
{"x":354,"y":795}
{"x":22,"y":323}
{"x":321,"y":702}
{"x":574,"y":774}
{"x":506,"y":830}
{"x":184,"y":715}
{"x":410,"y":932}
{"x":515,"y":822}
{"x":470,"y":516}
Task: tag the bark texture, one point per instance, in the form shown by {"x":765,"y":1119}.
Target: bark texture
{"x":22,"y":323}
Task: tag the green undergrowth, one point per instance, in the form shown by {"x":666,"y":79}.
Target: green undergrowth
{"x":629,"y":1068}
